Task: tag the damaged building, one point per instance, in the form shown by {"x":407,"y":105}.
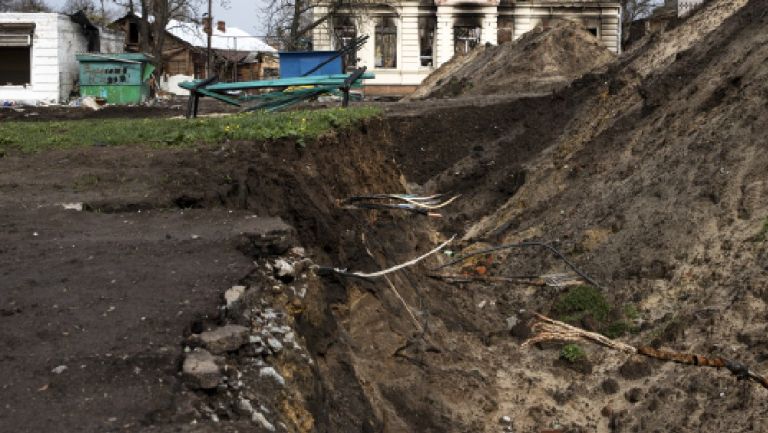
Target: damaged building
{"x":38,"y":54}
{"x":411,"y":38}
{"x":236,"y":54}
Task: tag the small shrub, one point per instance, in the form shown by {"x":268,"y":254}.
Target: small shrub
{"x":573,"y":353}
{"x":580,"y":302}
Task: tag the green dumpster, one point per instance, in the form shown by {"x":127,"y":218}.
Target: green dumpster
{"x":118,"y":78}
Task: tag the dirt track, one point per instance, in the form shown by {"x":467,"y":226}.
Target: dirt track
{"x":651,"y":177}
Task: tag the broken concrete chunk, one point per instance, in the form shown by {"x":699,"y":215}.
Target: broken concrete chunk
{"x":225,"y":339}
{"x":244,"y":407}
{"x":201,"y":371}
{"x":261,"y":420}
{"x":266,"y":237}
{"x":233,"y":294}
{"x":271,"y":372}
{"x":274,"y":344}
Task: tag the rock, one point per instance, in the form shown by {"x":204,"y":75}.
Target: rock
{"x":274,"y":344}
{"x":244,"y":407}
{"x":610,"y":386}
{"x":505,"y":420}
{"x":233,"y":294}
{"x":60,"y":369}
{"x":225,"y":339}
{"x":266,"y":237}
{"x":298,"y":251}
{"x":261,"y":420}
{"x":635,"y":369}
{"x":511,"y":322}
{"x":633,"y":395}
{"x":284,"y":271}
{"x":201,"y":371}
{"x":271,"y":372}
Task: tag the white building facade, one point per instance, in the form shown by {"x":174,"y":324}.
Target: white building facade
{"x":37,"y":56}
{"x":410,"y":38}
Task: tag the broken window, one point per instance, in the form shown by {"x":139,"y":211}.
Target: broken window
{"x":465,"y":38}
{"x":133,"y":33}
{"x":16,"y":54}
{"x":344,"y":34}
{"x":427,"y":40}
{"x":505,"y":29}
{"x":386,"y":42}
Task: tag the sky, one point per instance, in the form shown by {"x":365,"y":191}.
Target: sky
{"x":244,"y":14}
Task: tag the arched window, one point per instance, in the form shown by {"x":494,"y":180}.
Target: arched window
{"x":344,"y":34}
{"x":386,"y":42}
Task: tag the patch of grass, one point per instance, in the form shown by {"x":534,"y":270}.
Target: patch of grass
{"x":586,"y":302}
{"x":573,"y":353}
{"x":299,"y":125}
{"x":580,"y":302}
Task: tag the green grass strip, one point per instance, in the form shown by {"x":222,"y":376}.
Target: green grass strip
{"x":163,"y":132}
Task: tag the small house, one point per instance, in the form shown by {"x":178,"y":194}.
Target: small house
{"x":236,"y":54}
{"x":37,"y":54}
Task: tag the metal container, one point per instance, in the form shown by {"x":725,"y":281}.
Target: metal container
{"x":120,"y":79}
{"x":297,"y":63}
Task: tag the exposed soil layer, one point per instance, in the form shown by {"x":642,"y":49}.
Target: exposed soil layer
{"x":651,"y":177}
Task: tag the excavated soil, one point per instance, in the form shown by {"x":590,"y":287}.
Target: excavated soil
{"x":541,"y":61}
{"x":651,"y":177}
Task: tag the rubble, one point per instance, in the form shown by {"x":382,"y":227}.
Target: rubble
{"x":225,"y":339}
{"x":232,"y":295}
{"x":200,"y":370}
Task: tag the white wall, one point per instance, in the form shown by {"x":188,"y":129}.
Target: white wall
{"x":45,"y":59}
{"x":111,"y":41}
{"x":71,"y":42}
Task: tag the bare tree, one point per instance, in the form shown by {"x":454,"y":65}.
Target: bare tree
{"x":632,"y":10}
{"x":24,"y":6}
{"x":96,"y":12}
{"x":291,"y":22}
{"x":154,"y":16}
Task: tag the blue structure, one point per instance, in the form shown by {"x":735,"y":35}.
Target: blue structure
{"x":297,"y":63}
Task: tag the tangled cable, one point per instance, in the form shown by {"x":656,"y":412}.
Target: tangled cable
{"x":423,"y":205}
{"x":554,"y":250}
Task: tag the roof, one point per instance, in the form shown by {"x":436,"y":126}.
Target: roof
{"x":233,"y":39}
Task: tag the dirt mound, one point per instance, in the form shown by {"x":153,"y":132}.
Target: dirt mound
{"x":539,"y":62}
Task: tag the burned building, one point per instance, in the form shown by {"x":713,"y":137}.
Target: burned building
{"x":411,"y":38}
{"x":37,"y":54}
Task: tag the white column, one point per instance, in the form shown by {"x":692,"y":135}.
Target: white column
{"x":489,"y":33}
{"x":321,"y":35}
{"x":366,"y":54}
{"x":408,"y":42}
{"x":444,"y":35}
{"x":523,"y":20}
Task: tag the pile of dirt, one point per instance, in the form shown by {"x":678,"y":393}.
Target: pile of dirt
{"x":651,"y":177}
{"x":539,"y":62}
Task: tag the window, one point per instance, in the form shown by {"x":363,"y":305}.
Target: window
{"x":345,"y":33}
{"x":16,"y":54}
{"x":133,"y":33}
{"x":386,"y":42}
{"x":506,"y":29}
{"x":15,"y":67}
{"x":465,"y":38}
{"x":427,"y":40}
